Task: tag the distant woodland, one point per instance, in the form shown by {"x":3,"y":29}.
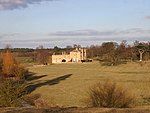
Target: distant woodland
{"x":111,"y":52}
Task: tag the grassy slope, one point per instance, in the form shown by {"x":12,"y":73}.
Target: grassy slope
{"x":67,"y":84}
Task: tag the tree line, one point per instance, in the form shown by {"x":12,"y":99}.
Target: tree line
{"x":114,"y":52}
{"x":111,"y":52}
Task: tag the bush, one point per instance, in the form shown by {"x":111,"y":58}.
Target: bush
{"x":30,"y":99}
{"x":35,"y":100}
{"x":0,"y":64}
{"x":8,"y":63}
{"x":87,"y":60}
{"x":10,"y":68}
{"x":19,"y":71}
{"x":109,"y":95}
{"x":10,"y":93}
{"x":82,"y":61}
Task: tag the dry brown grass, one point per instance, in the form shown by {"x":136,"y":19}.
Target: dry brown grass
{"x":52,"y":82}
{"x":73,"y":110}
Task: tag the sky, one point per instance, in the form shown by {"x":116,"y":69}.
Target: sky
{"x":30,"y":23}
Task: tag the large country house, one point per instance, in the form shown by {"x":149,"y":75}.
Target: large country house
{"x":76,"y":55}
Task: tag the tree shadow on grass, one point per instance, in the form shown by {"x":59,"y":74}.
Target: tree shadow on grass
{"x":31,"y":76}
{"x":34,"y":86}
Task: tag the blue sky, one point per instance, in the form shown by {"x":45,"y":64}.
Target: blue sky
{"x":30,"y":23}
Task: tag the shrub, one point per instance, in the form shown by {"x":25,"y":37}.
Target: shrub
{"x":109,"y":95}
{"x":0,"y":67}
{"x":0,"y":64}
{"x":8,"y":62}
{"x":87,"y":60}
{"x":82,"y":61}
{"x":40,"y":103}
{"x":30,"y":99}
{"x":19,"y":71}
{"x":10,"y":93}
{"x":10,"y":68}
{"x":35,"y":100}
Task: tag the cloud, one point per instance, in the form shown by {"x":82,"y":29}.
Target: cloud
{"x":82,"y":37}
{"x":134,"y":31}
{"x":147,"y":17}
{"x":15,"y":4}
{"x":86,"y":32}
{"x":90,"y":32}
{"x":9,"y":36}
{"x":62,"y":42}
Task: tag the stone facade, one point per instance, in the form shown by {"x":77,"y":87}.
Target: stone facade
{"x":74,"y":56}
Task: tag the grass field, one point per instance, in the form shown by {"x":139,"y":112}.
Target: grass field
{"x":67,"y":84}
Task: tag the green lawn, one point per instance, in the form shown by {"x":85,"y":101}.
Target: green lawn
{"x":67,"y":84}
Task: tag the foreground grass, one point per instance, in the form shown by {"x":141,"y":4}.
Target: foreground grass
{"x":67,"y":84}
{"x":73,"y":110}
